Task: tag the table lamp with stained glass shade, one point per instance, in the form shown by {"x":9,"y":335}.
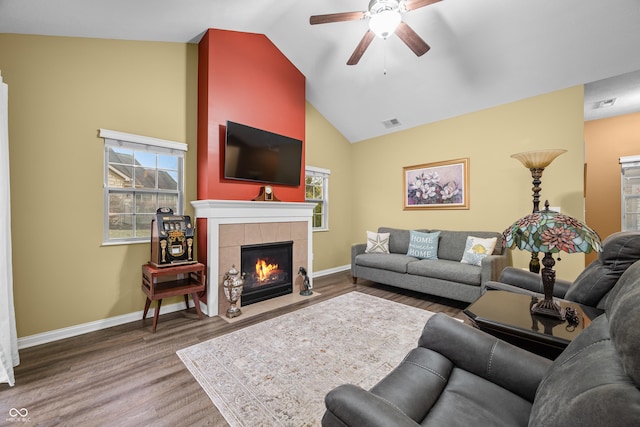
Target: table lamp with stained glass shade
{"x":550,"y":232}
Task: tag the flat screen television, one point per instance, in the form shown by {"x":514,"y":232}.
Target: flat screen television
{"x":257,"y":155}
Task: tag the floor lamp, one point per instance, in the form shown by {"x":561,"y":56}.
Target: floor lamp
{"x":536,"y":162}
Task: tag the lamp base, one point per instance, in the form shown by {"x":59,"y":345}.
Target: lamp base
{"x":549,"y":308}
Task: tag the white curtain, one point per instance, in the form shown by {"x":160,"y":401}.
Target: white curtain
{"x":8,"y":338}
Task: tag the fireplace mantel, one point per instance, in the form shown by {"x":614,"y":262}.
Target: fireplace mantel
{"x":219,"y":212}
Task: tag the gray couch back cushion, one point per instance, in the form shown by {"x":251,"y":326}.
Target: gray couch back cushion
{"x":452,"y":243}
{"x":398,"y":239}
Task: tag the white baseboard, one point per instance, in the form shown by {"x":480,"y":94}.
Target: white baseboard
{"x":331,"y":271}
{"x":72,"y":331}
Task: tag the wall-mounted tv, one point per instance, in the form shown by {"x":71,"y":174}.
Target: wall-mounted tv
{"x":257,"y":155}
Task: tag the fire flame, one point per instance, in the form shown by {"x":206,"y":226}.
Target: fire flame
{"x":263,"y":269}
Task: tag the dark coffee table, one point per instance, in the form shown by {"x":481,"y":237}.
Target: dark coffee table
{"x":506,"y":315}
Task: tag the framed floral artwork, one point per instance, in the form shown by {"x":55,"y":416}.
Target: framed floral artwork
{"x":439,"y":185}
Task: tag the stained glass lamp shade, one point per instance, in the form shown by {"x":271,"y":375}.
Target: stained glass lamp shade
{"x":550,"y":232}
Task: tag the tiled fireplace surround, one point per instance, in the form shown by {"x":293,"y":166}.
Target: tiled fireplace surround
{"x":231,"y":224}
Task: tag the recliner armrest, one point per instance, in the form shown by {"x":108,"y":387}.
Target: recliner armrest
{"x":470,"y":349}
{"x":350,"y":405}
{"x":531,"y":282}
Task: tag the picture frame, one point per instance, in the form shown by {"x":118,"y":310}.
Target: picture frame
{"x":438,"y":185}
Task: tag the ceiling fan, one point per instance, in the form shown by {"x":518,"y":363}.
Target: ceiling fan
{"x":385,"y":18}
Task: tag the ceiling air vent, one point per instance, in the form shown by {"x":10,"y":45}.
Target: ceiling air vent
{"x":391,"y":123}
{"x":606,"y":103}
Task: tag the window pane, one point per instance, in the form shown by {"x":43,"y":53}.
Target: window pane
{"x":143,"y":225}
{"x":120,"y":156}
{"x":308,"y":192}
{"x":120,"y":226}
{"x":317,"y":221}
{"x":146,"y":203}
{"x":168,"y":162}
{"x":145,"y":159}
{"x":120,"y":176}
{"x":145,"y":178}
{"x":120,"y":203}
{"x":167,"y":180}
{"x":168,"y":201}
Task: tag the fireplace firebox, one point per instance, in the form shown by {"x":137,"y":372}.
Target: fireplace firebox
{"x":268,"y":271}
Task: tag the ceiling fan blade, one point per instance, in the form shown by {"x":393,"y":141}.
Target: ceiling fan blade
{"x":412,"y":39}
{"x":336,"y":17}
{"x":362,"y":46}
{"x":416,"y":4}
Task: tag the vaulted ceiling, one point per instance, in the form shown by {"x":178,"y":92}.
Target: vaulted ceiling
{"x":483,"y":53}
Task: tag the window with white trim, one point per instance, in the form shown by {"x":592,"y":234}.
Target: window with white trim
{"x":141,"y":174}
{"x":317,"y":191}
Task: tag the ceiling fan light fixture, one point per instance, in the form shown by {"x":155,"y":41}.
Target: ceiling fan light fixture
{"x":385,"y":22}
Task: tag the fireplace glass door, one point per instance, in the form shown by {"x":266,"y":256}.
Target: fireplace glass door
{"x":268,"y":271}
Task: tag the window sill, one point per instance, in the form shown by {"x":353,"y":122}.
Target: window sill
{"x":126,"y":242}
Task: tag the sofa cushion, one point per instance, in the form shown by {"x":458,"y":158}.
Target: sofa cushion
{"x":391,"y":262}
{"x":377,"y":243}
{"x":452,"y":243}
{"x":423,"y":245}
{"x":398,"y":239}
{"x":446,"y":270}
{"x":477,"y":248}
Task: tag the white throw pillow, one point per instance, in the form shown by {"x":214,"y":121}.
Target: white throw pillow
{"x":477,"y":248}
{"x":377,"y":243}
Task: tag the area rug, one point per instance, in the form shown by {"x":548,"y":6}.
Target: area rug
{"x":276,"y":373}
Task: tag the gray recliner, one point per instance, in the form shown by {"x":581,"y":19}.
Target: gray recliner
{"x":460,"y":376}
{"x":619,"y":251}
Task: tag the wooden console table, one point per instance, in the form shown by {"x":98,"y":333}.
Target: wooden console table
{"x":184,"y":280}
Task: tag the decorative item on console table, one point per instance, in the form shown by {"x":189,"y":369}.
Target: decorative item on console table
{"x":171,"y":239}
{"x":266,"y":195}
{"x":550,"y":232}
{"x":536,"y":161}
{"x":233,"y":283}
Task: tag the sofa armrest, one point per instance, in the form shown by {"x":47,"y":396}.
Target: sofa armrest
{"x":492,"y":265}
{"x":350,"y":405}
{"x":531,"y":282}
{"x":470,"y":349}
{"x":356,"y":250}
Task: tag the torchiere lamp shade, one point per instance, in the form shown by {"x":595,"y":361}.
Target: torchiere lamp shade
{"x":550,"y":232}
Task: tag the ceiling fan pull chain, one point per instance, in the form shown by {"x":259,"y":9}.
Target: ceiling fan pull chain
{"x":384,"y":56}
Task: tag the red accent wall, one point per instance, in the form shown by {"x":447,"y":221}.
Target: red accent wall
{"x":244,"y":78}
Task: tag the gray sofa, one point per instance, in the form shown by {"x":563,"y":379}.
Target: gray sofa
{"x":460,"y":376}
{"x":445,"y":277}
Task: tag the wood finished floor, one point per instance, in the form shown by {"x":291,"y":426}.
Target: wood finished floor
{"x":128,"y":376}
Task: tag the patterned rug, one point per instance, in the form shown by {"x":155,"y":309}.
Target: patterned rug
{"x":276,"y":373}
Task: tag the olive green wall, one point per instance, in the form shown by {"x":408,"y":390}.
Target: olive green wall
{"x":500,"y":187}
{"x":62,"y":90}
{"x":327,"y":148}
